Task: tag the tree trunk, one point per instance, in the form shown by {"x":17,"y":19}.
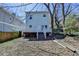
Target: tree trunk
{"x":63,"y":14}
{"x":52,"y":24}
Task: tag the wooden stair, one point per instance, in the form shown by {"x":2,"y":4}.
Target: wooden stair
{"x":66,"y":45}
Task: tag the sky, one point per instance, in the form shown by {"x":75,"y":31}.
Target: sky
{"x":20,"y":11}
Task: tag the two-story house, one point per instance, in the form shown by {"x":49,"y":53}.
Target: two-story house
{"x":38,"y":23}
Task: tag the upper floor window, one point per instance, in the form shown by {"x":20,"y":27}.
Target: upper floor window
{"x":44,"y":15}
{"x":30,"y":17}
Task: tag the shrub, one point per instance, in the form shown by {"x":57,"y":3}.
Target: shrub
{"x":70,"y":24}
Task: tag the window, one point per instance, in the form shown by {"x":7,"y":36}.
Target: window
{"x":30,"y":17}
{"x":42,"y":27}
{"x":10,"y":18}
{"x":46,"y":26}
{"x":30,"y":26}
{"x":44,"y":15}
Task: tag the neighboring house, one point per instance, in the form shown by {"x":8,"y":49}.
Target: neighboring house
{"x":38,"y":23}
{"x":9,"y":22}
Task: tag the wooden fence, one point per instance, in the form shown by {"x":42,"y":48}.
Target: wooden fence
{"x":4,"y":36}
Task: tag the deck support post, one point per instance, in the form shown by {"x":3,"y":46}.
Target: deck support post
{"x":45,"y":35}
{"x":37,"y":35}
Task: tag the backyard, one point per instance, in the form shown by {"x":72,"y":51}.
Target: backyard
{"x":61,"y":24}
{"x":24,"y":47}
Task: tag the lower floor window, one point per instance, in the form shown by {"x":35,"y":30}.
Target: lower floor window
{"x":30,"y":26}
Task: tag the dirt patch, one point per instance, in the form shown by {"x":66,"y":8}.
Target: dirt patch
{"x":24,"y":47}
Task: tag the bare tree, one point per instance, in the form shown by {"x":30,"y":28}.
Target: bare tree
{"x":52,"y":13}
{"x":53,"y":9}
{"x":65,"y":9}
{"x":63,"y":14}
